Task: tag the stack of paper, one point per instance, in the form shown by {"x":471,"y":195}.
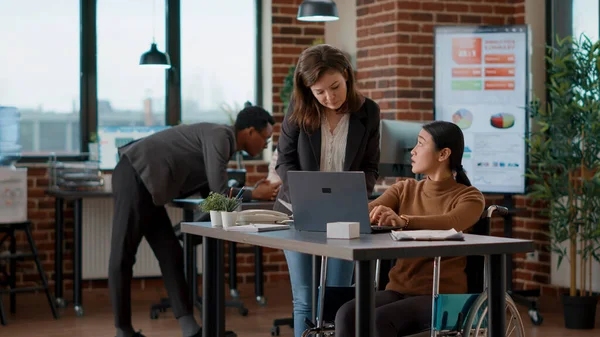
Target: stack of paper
{"x":257,"y":228}
{"x":428,"y":235}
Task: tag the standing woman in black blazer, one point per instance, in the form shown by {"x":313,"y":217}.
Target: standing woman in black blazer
{"x":330,"y":127}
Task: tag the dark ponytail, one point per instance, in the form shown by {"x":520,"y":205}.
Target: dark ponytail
{"x":449,"y":135}
{"x":461,"y":176}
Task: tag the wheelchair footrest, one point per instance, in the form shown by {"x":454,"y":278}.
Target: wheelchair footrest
{"x":451,"y":310}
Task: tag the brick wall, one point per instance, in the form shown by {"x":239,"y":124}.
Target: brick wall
{"x":290,"y":38}
{"x":395,"y":68}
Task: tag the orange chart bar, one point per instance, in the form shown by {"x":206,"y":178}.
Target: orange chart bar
{"x":500,"y":58}
{"x":466,"y":72}
{"x":500,"y":72}
{"x":499,"y":85}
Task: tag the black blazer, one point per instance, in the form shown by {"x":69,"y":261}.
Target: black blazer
{"x":301,"y":151}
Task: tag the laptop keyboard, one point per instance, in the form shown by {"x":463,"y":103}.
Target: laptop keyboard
{"x":382,"y":229}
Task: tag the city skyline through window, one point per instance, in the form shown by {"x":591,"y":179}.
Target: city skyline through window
{"x":39,"y":73}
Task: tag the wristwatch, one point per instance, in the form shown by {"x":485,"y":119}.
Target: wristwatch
{"x":406,"y":221}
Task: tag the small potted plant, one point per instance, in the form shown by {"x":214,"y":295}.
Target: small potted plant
{"x":214,"y":204}
{"x":230,"y":212}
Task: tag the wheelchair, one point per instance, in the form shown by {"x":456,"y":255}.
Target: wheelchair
{"x":453,"y":315}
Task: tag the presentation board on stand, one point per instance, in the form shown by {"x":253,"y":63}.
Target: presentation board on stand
{"x":481,"y":84}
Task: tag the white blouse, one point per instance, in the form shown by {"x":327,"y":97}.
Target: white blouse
{"x":333,"y":144}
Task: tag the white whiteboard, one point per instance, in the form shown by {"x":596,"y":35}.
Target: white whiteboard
{"x":481,"y":83}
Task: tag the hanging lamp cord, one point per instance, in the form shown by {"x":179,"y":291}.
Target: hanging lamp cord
{"x":153,"y":21}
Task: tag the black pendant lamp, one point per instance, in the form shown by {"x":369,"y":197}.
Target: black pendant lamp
{"x":318,"y":11}
{"x":154,"y":57}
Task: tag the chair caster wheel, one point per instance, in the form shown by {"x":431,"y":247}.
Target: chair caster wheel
{"x":78,"y":310}
{"x":234,"y":293}
{"x":244,"y":312}
{"x":535,"y":317}
{"x":153,"y":314}
{"x":61,"y":303}
{"x":261,"y":300}
{"x":275,"y":331}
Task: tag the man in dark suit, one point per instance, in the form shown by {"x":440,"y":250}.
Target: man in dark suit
{"x":174,"y":163}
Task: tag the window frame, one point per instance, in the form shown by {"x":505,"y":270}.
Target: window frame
{"x":88,"y":115}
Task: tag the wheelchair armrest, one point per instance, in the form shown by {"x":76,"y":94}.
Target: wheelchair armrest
{"x":501,"y":210}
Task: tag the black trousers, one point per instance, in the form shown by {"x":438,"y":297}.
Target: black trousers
{"x":395,"y":315}
{"x":135,"y":217}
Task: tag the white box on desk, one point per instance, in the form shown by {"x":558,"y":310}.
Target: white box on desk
{"x":343,"y":230}
{"x":13,"y":194}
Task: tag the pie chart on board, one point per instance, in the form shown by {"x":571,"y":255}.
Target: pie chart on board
{"x":502,"y":120}
{"x":463,"y":118}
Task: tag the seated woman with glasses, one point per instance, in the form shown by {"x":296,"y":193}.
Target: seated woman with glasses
{"x":443,"y":200}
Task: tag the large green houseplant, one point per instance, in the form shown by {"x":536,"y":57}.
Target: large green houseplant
{"x":565,"y":172}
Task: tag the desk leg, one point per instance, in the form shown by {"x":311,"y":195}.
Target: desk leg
{"x":213,"y":297}
{"x":233,"y":270}
{"x":58,"y":252}
{"x":220,"y":287}
{"x":365,"y":299}
{"x":496,"y":295}
{"x":12,"y":279}
{"x":188,"y":263}
{"x":77,"y":258}
{"x":259,"y":288}
{"x":316,"y":277}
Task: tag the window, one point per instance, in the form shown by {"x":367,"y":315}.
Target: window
{"x":218,"y":59}
{"x":586,"y":19}
{"x":39,"y":72}
{"x":128,"y":94}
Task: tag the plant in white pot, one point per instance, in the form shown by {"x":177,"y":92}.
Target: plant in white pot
{"x":230,"y":213}
{"x":566,"y":168}
{"x":214,"y":204}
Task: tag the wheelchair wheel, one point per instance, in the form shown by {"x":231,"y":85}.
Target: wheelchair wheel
{"x":476,"y":322}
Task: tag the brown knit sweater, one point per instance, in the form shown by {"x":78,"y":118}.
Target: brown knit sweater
{"x":432,"y":204}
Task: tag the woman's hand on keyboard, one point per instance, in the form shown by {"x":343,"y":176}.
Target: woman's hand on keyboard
{"x":385,"y":216}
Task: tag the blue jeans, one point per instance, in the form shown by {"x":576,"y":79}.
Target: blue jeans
{"x":339,"y":274}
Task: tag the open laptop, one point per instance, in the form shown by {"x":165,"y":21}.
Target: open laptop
{"x":321,"y":197}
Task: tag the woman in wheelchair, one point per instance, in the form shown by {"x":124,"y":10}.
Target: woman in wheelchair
{"x":445,"y":199}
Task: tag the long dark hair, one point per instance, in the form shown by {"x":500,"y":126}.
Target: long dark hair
{"x":312,"y":64}
{"x":448,"y":135}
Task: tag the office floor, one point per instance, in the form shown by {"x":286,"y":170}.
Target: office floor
{"x":33,"y":318}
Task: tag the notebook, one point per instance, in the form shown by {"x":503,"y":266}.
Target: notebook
{"x":257,"y":228}
{"x":427,"y":235}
